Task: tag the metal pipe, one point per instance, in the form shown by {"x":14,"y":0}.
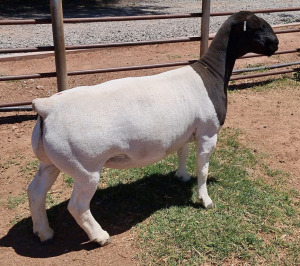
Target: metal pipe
{"x":286,"y":25}
{"x":15,"y":104}
{"x":286,"y":31}
{"x":250,"y":55}
{"x":205,"y":26}
{"x":16,"y":108}
{"x":257,"y":75}
{"x":99,"y":19}
{"x":238,"y":71}
{"x":59,"y":44}
{"x":29,"y":76}
{"x":103,"y":45}
{"x":132,"y":18}
{"x":271,"y":10}
{"x":130,"y":68}
{"x":140,"y":43}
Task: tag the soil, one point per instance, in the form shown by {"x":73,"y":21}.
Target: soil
{"x":269,"y":120}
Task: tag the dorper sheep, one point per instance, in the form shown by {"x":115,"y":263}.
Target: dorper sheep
{"x":134,"y":122}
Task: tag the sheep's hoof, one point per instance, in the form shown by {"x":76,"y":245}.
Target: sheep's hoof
{"x":210,"y":205}
{"x":46,"y":237}
{"x":183,"y":177}
{"x":103,"y":243}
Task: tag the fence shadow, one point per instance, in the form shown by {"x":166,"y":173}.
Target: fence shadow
{"x":249,"y":85}
{"x":16,"y":119}
{"x":34,"y":9}
{"x":117,"y":208}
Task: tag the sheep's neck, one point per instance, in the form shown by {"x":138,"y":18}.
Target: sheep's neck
{"x":215,"y":69}
{"x":220,"y":58}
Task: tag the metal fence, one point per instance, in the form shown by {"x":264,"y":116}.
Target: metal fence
{"x":59,"y":47}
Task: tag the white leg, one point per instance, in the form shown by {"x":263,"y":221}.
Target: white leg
{"x":183,"y":154}
{"x":79,"y":207}
{"x":205,"y":147}
{"x":202,"y":173}
{"x":37,"y":192}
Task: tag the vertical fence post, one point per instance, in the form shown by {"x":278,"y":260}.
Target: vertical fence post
{"x":205,"y":26}
{"x":59,"y":44}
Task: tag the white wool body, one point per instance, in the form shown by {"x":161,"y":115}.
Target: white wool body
{"x":126,"y":123}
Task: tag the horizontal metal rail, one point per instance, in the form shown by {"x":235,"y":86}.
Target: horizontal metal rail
{"x":144,"y":17}
{"x":257,"y":75}
{"x":94,"y":71}
{"x":250,"y":69}
{"x":270,"y":10}
{"x":16,"y":108}
{"x":125,"y":44}
{"x":250,"y":55}
{"x":294,"y":24}
{"x":4,"y":105}
{"x":100,"y":19}
{"x":103,"y":45}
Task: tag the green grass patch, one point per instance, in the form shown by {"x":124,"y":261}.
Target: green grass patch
{"x":173,"y":56}
{"x":9,"y":163}
{"x":51,"y":200}
{"x":261,"y":67}
{"x":292,"y":82}
{"x":29,"y":169}
{"x":253,"y":221}
{"x":277,"y":84}
{"x":248,"y":214}
{"x":15,"y":201}
{"x":68,"y":180}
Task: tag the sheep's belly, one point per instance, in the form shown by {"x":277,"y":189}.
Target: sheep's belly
{"x":125,"y":161}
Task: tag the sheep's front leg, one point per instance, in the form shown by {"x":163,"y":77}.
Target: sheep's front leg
{"x":79,"y":207}
{"x":202,"y":174}
{"x":183,"y":154}
{"x":204,"y":150}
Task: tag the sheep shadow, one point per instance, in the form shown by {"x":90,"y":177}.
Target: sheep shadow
{"x":117,"y":209}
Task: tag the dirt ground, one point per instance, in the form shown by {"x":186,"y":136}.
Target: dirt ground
{"x":269,"y":120}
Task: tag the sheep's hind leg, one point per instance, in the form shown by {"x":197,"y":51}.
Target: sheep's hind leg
{"x":183,"y":154}
{"x":79,"y":206}
{"x":37,"y":192}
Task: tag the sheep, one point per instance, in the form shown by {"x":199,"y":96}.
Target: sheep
{"x":134,"y":122}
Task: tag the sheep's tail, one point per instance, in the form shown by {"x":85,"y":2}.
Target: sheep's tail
{"x":41,"y":106}
{"x":37,"y":140}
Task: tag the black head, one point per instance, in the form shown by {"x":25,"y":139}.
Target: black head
{"x":252,"y":34}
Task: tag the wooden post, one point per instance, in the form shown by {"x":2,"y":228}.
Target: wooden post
{"x":205,"y":26}
{"x":59,"y":44}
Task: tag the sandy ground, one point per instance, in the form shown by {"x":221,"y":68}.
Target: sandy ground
{"x":269,"y":120}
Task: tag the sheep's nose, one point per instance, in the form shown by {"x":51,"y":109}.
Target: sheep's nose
{"x":273,"y":43}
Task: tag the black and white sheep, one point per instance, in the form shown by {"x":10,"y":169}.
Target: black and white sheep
{"x":134,"y":122}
